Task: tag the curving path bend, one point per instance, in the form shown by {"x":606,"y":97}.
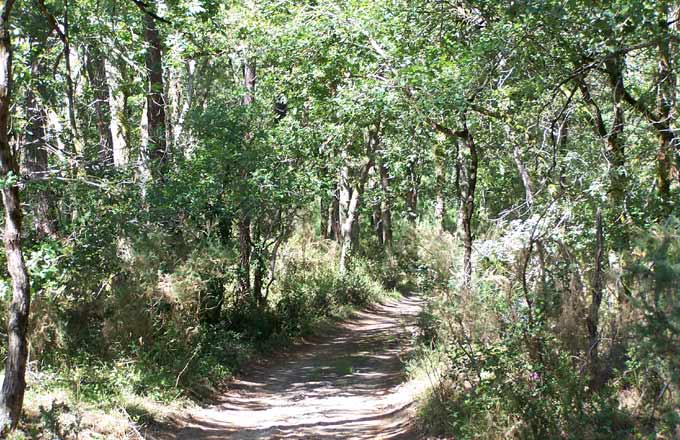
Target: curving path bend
{"x":345,"y":385}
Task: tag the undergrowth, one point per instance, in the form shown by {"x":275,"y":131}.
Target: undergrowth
{"x":147,"y":342}
{"x":513,"y":360}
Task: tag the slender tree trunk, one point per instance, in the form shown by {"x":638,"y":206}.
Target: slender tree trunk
{"x":77,"y":144}
{"x":614,"y":147}
{"x":245,"y":245}
{"x":259,"y":272}
{"x":349,"y":210}
{"x":614,"y":152}
{"x":526,"y":180}
{"x":386,"y":205}
{"x":439,"y":186}
{"x":155,"y":98}
{"x":592,"y":320}
{"x":244,"y":232}
{"x":119,"y":120}
{"x":412,"y":192}
{"x":334,"y":217}
{"x":96,"y":70}
{"x":344,"y":199}
{"x":36,"y":157}
{"x":188,"y":101}
{"x":665,"y":95}
{"x":377,"y":214}
{"x":324,"y":217}
{"x":468,"y":205}
{"x":14,"y":382}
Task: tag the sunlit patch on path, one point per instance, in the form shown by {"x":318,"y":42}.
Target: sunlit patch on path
{"x":349,"y":385}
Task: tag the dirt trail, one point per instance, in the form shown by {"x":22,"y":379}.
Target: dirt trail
{"x":347,"y":385}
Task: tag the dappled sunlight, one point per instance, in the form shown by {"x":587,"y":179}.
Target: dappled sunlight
{"x":349,"y":385}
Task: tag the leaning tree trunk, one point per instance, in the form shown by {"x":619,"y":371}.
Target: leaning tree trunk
{"x":14,"y":382}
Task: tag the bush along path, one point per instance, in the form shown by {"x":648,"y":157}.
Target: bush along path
{"x":348,"y":384}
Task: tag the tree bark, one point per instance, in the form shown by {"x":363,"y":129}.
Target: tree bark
{"x":186,"y":105}
{"x":665,"y":96}
{"x":349,"y":210}
{"x":412,"y":192}
{"x":14,"y":382}
{"x":439,"y":186}
{"x":36,"y":156}
{"x":155,"y":98}
{"x":77,"y":144}
{"x":526,"y":180}
{"x":324,"y":217}
{"x":244,"y":232}
{"x":614,"y":148}
{"x":119,"y":117}
{"x":96,"y":70}
{"x":468,"y":205}
{"x":386,"y":205}
{"x":245,"y":244}
{"x":334,"y":229}
{"x":592,"y":320}
{"x":614,"y":152}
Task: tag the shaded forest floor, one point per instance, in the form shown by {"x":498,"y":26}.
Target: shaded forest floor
{"x":348,"y":383}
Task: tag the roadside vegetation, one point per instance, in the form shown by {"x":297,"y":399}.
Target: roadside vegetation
{"x":189,"y":185}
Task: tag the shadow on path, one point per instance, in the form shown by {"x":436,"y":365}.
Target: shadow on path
{"x":347,"y":385}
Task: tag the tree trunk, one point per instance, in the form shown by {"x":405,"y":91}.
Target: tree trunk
{"x":96,"y":70}
{"x":439,"y":186}
{"x":376,"y":214}
{"x":665,"y":95}
{"x":119,"y":120}
{"x":592,"y":320}
{"x":324,"y":217}
{"x":155,"y":97}
{"x":36,"y":157}
{"x":614,"y":148}
{"x":260,"y":271}
{"x":344,"y":200}
{"x":386,"y":205}
{"x":244,"y":257}
{"x":188,"y":101}
{"x":412,"y":192}
{"x":614,"y":152}
{"x":349,"y":209}
{"x":334,"y":217}
{"x":14,"y":382}
{"x":526,"y":180}
{"x":468,"y":205}
{"x":77,"y":144}
{"x":244,"y":233}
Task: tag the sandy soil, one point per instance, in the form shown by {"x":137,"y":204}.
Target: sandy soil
{"x":348,"y":384}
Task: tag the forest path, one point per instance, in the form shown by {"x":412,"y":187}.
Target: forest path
{"x":348,"y":384}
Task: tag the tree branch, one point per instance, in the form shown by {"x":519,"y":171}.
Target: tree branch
{"x":145,"y":8}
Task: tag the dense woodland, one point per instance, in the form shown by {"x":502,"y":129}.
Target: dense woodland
{"x":188,"y":184}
